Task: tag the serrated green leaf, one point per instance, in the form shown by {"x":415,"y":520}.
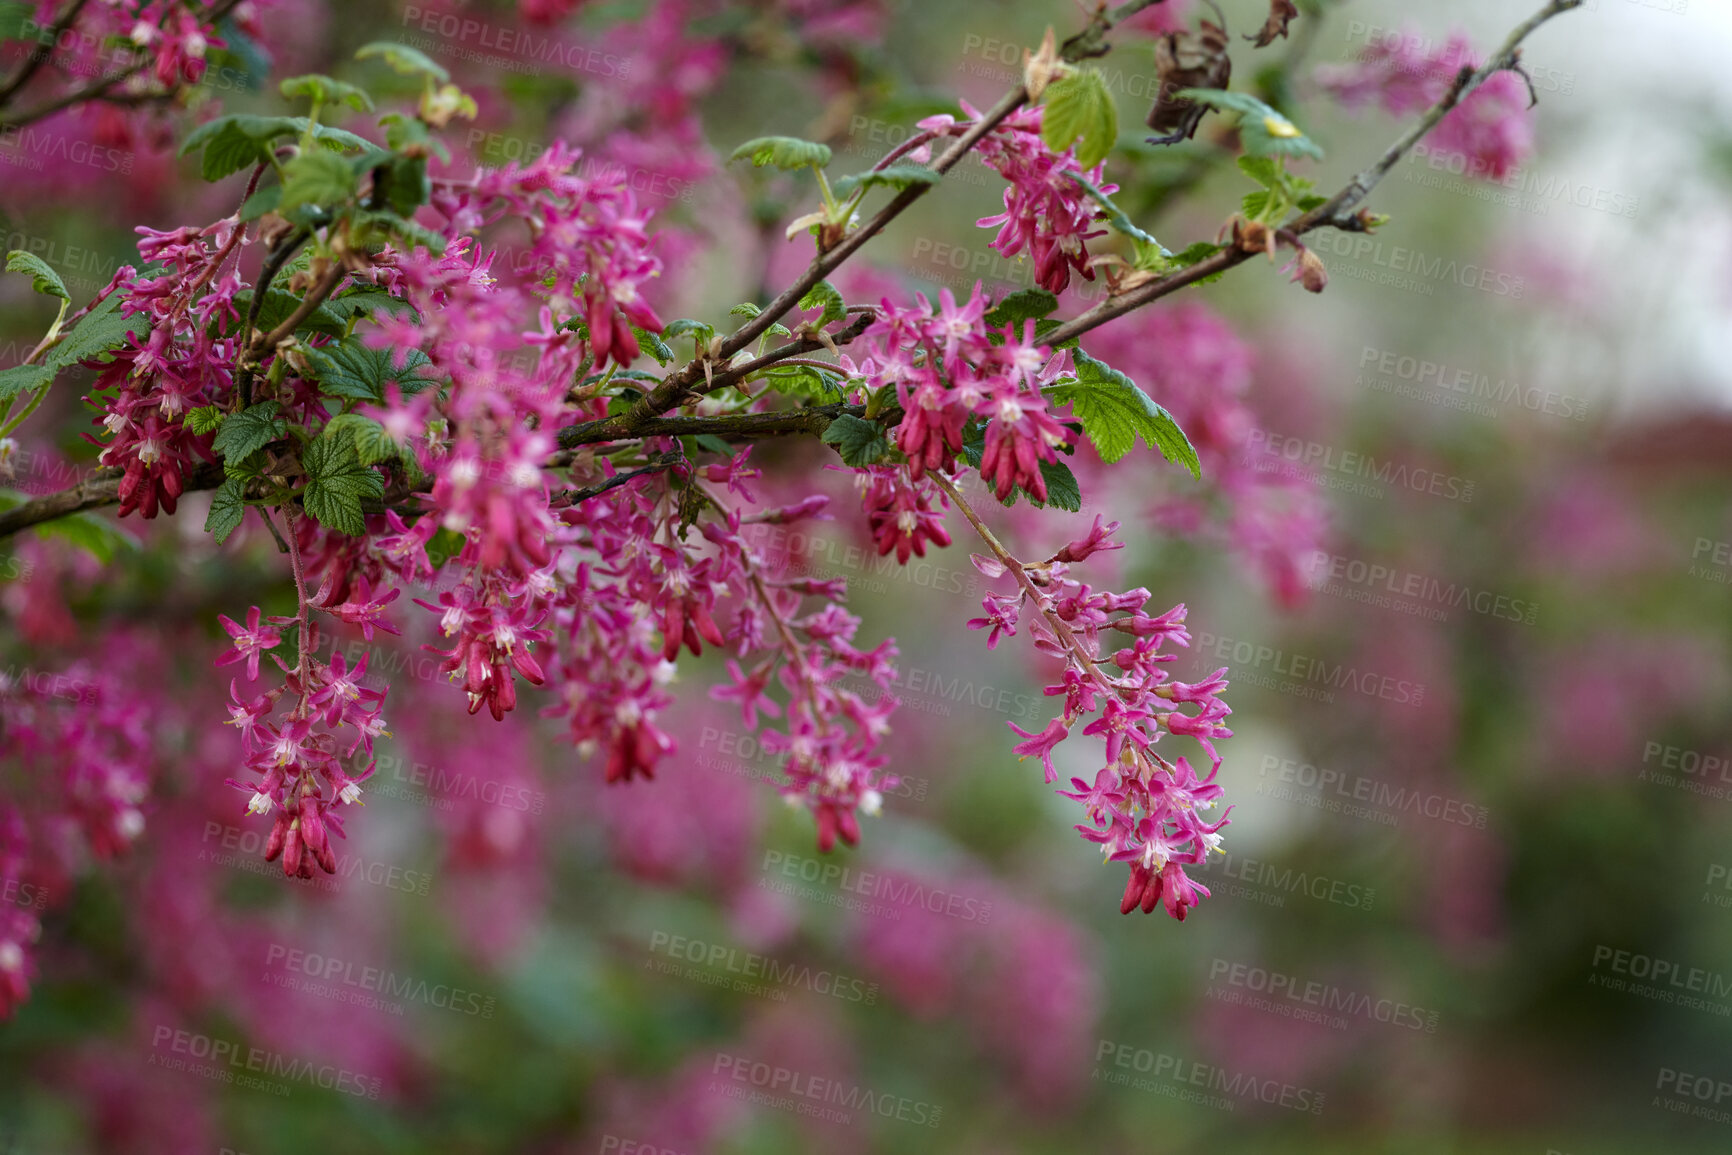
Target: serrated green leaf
{"x":1201,"y":251}
{"x":1115,"y":412}
{"x":42,"y":278}
{"x":91,"y":532}
{"x":1023,"y":305}
{"x":404,"y":60}
{"x":327,"y":91}
{"x":336,"y":484}
{"x":372,"y":444}
{"x":349,"y":368}
{"x":227,"y":508}
{"x":1062,"y":490}
{"x":1080,"y":105}
{"x":803,"y":381}
{"x":368,"y":224}
{"x":860,"y":442}
{"x":251,"y":429}
{"x":24,"y":379}
{"x":1256,"y":204}
{"x":1261,"y":169}
{"x":316,"y":178}
{"x":745,"y":309}
{"x":1307,"y":203}
{"x":896,"y":176}
{"x":400,"y":183}
{"x":1263,"y":131}
{"x":652,"y":344}
{"x":824,"y":295}
{"x":784,"y":152}
{"x":364,"y":300}
{"x":205,"y":419}
{"x":698,"y":331}
{"x":102,"y":330}
{"x":407,"y":134}
{"x":231,"y":143}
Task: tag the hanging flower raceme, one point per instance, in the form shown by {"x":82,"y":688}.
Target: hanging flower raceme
{"x":1046,"y":213}
{"x":947,"y":371}
{"x":1143,"y":808}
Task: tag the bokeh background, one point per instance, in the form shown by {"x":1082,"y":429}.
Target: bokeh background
{"x":1464,"y":547}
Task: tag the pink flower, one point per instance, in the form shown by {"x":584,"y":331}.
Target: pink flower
{"x":249,"y":642}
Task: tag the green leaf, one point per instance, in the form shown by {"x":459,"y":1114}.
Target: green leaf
{"x":205,"y":419}
{"x":227,"y":508}
{"x":445,"y":545}
{"x":698,"y":331}
{"x":231,"y":143}
{"x":349,"y":368}
{"x":280,"y":304}
{"x":652,"y":344}
{"x":326,"y":91}
{"x":745,"y":309}
{"x":803,"y":381}
{"x":363,"y":300}
{"x":896,"y":176}
{"x":1115,"y":412}
{"x":316,"y":178}
{"x":400,"y":182}
{"x":1023,"y":305}
{"x":785,"y":152}
{"x":263,"y":201}
{"x":95,"y":535}
{"x":713,"y":444}
{"x":1261,"y":169}
{"x":42,"y":278}
{"x":1062,"y":490}
{"x":336,"y":484}
{"x":1256,"y":204}
{"x":17,"y":19}
{"x":250,"y":429}
{"x":824,"y":294}
{"x":1201,"y":251}
{"x":102,"y":330}
{"x":1263,"y":131}
{"x":407,"y":134}
{"x":1080,"y":105}
{"x":372,"y":444}
{"x":24,"y":379}
{"x":368,"y":224}
{"x":404,"y":60}
{"x":860,"y":442}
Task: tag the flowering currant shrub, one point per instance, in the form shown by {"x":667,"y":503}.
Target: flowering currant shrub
{"x":453,"y":402}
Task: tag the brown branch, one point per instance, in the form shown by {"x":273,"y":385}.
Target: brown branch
{"x":44,"y":50}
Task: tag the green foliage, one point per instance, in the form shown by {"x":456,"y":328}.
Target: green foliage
{"x":803,"y":381}
{"x":251,"y":429}
{"x":349,"y":368}
{"x":205,"y":419}
{"x":860,"y":442}
{"x":337,"y":482}
{"x":24,"y":379}
{"x":42,"y":278}
{"x":1115,"y":412}
{"x":404,"y":60}
{"x":896,"y":176}
{"x":372,"y":444}
{"x":368,"y":225}
{"x":227,"y":508}
{"x":316,"y":178}
{"x":1263,"y":131}
{"x":1023,"y":305}
{"x":652,"y":344}
{"x":231,"y":143}
{"x":102,"y":330}
{"x":784,"y":152}
{"x":700,"y":333}
{"x":1080,"y":105}
{"x":92,"y":533}
{"x":824,"y":295}
{"x":280,"y":305}
{"x":324,"y":90}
